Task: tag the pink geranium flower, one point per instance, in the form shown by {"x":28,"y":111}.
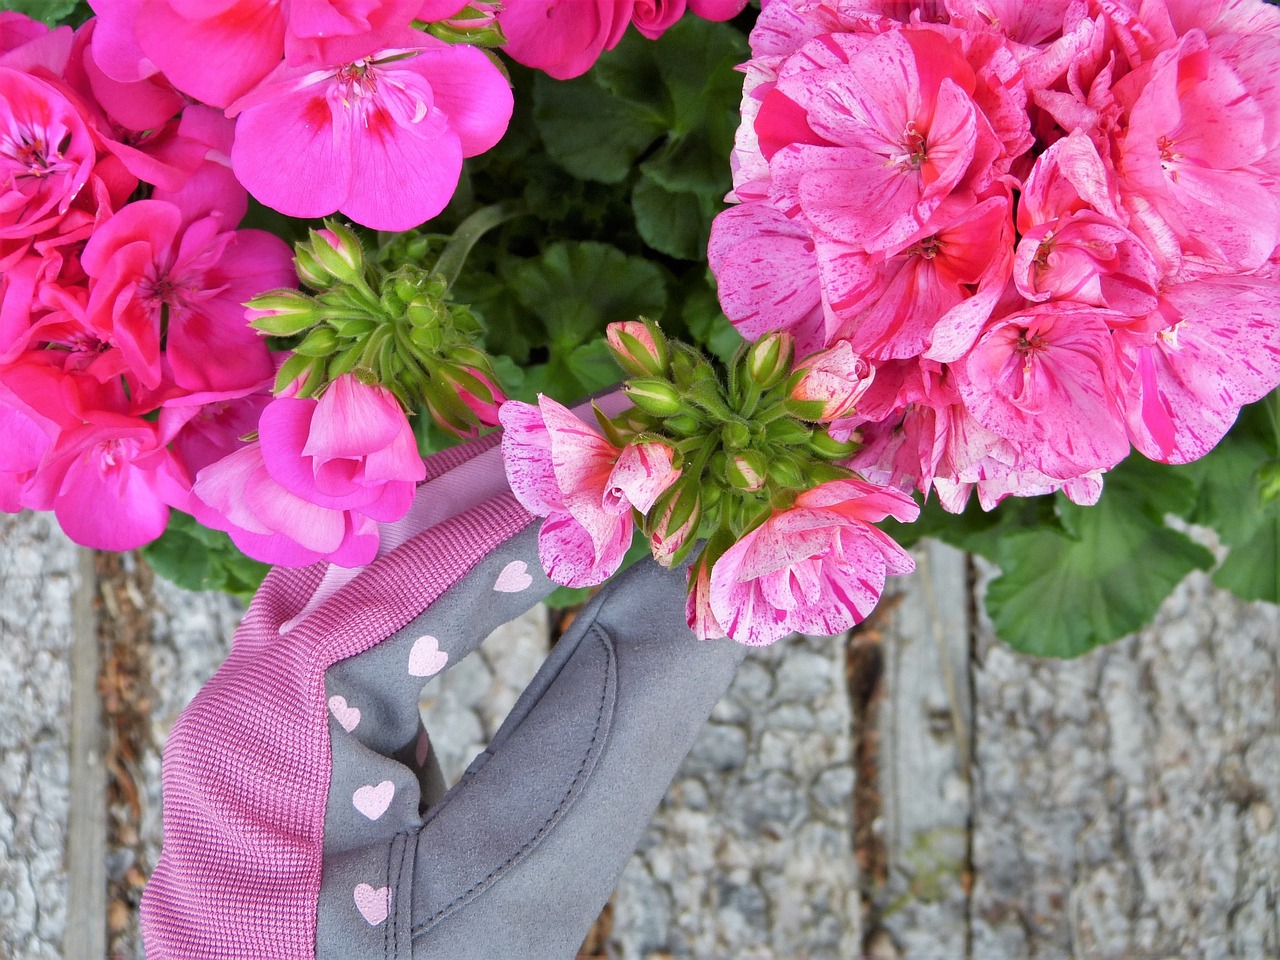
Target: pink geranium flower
{"x":237,"y":494}
{"x":147,"y":266}
{"x":110,"y":482}
{"x":563,"y":37}
{"x":46,"y":155}
{"x":561,"y":469}
{"x":873,"y":137}
{"x":1045,"y":379}
{"x":1185,"y":382}
{"x":818,"y":567}
{"x":381,"y":139}
{"x":352,"y":449}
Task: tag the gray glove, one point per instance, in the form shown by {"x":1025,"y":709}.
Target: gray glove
{"x":301,"y":816}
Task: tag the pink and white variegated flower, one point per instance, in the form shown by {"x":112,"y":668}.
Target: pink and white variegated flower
{"x":562,"y":469}
{"x":817,"y":567}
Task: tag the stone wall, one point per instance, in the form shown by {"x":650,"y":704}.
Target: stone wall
{"x":914,"y":790}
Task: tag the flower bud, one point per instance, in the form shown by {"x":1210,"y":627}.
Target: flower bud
{"x":683,"y":425}
{"x":320,"y":342}
{"x":310,"y":270}
{"x":829,"y":448}
{"x":476,"y":390}
{"x":736,"y":435}
{"x":786,"y":474}
{"x":769,"y":359}
{"x":338,"y":251}
{"x":281,"y":313}
{"x":676,"y":528}
{"x":653,"y":396}
{"x":639,"y":347}
{"x":747,"y":471}
{"x":829,"y":384}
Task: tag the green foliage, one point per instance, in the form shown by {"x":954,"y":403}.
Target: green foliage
{"x":1237,"y":499}
{"x":1064,"y":591}
{"x":197,"y":558}
{"x":52,"y":12}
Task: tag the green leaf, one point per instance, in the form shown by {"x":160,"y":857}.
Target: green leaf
{"x":197,"y":558}
{"x":1062,"y":593}
{"x":593,"y":366}
{"x":575,"y":289}
{"x":1252,"y":569}
{"x":591,"y":133}
{"x":51,"y":12}
{"x":677,"y":224}
{"x":709,"y":326}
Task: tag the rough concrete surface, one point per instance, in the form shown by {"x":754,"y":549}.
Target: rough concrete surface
{"x":1125,"y":803}
{"x":38,"y":577}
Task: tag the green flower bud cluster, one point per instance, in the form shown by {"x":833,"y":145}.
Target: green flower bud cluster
{"x":742,"y":450}
{"x":392,"y":326}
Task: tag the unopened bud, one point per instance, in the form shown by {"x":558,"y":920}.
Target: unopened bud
{"x":676,"y":529}
{"x":829,"y":448}
{"x":338,"y":251}
{"x":320,"y":342}
{"x":281,"y":313}
{"x":747,"y":470}
{"x":785,"y":432}
{"x":683,"y":425}
{"x":639,"y":347}
{"x":829,"y":384}
{"x":769,"y":359}
{"x":310,"y":270}
{"x":786,"y":474}
{"x":653,"y":396}
{"x":476,"y":391}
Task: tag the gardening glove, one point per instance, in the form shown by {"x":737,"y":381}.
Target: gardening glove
{"x":298,"y":784}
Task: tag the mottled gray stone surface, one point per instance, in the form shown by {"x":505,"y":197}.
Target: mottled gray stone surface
{"x":1125,"y":803}
{"x":38,"y":579}
{"x":750,"y":854}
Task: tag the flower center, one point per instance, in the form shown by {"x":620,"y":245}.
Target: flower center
{"x":915,"y":151}
{"x":928,"y":248}
{"x":115,"y":452}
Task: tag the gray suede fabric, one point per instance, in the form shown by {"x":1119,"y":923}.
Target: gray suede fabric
{"x":517,"y":860}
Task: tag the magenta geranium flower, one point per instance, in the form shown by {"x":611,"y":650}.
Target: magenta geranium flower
{"x":150,"y":271}
{"x":818,"y":567}
{"x":381,"y":139}
{"x":46,"y":155}
{"x":352,"y":449}
{"x":110,"y":482}
{"x":238,"y":495}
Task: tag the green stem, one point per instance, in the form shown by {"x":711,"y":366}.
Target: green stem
{"x":471,"y":230}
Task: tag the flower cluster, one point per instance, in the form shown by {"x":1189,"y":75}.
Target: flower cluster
{"x":125,"y":362}
{"x":338,"y":106}
{"x":334,"y":453}
{"x":563,"y":38}
{"x":748,"y":468}
{"x":1052,"y":227}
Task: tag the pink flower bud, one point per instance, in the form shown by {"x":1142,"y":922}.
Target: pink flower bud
{"x":338,"y":251}
{"x":830,"y":383}
{"x":676,"y":524}
{"x":477,"y":391}
{"x":769,"y":358}
{"x":747,"y":471}
{"x":640,"y":349}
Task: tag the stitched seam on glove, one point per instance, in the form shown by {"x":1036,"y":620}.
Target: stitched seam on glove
{"x":606,"y":642}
